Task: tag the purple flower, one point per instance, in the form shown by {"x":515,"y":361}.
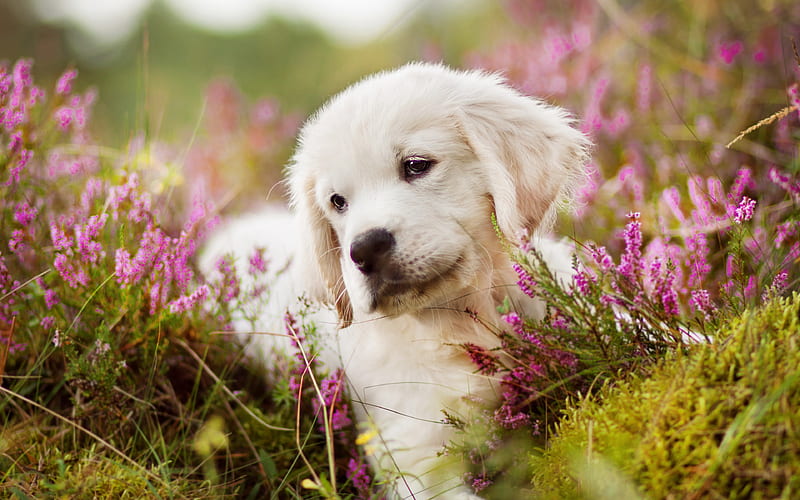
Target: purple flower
{"x":73,"y":275}
{"x":91,"y":251}
{"x":743,"y":180}
{"x":631,"y":261}
{"x":601,"y":258}
{"x":701,"y":301}
{"x":187,"y":302}
{"x":727,"y":51}
{"x":359,"y":477}
{"x":509,"y":418}
{"x":744,"y":212}
{"x":483,"y":359}
{"x":48,"y":322}
{"x":64,"y":84}
{"x":60,"y":239}
{"x":697,"y":262}
{"x":778,"y":286}
{"x":257,"y":262}
{"x":785,"y":231}
{"x":229,"y":281}
{"x":525,"y":281}
{"x":331,"y":389}
{"x":583,"y":282}
{"x":24,"y":213}
{"x":50,"y":298}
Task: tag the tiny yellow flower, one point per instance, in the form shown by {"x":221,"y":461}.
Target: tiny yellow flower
{"x":309,"y":484}
{"x":366,"y":437}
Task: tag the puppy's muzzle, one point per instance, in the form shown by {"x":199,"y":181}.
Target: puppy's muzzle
{"x":371,"y":251}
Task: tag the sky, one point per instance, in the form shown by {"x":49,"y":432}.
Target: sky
{"x":352,"y":22}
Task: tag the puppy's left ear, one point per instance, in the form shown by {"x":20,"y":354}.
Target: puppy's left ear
{"x":533,"y":156}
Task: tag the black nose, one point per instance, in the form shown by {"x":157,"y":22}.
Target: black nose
{"x":370,"y":250}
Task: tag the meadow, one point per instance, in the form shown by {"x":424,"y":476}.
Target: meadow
{"x":668,"y":368}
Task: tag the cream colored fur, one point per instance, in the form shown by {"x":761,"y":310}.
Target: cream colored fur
{"x":492,"y":150}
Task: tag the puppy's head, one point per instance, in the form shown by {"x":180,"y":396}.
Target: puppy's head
{"x":395,"y":179}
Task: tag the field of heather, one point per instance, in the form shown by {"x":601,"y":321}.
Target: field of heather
{"x":668,"y":368}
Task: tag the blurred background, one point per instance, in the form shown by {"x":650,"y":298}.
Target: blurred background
{"x":153,"y":59}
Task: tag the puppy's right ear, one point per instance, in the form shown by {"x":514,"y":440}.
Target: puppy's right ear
{"x":319,"y":252}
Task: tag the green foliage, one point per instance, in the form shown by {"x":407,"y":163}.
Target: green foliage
{"x":720,"y":421}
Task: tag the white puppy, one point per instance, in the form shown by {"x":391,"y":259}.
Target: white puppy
{"x":393,"y":186}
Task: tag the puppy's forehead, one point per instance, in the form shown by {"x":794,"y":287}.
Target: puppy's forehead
{"x":381,"y":119}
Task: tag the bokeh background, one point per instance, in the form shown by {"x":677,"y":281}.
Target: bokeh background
{"x":157,"y":57}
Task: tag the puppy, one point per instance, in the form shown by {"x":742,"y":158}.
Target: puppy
{"x":393,"y":185}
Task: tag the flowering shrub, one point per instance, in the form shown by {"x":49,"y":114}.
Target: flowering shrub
{"x":708,"y":231}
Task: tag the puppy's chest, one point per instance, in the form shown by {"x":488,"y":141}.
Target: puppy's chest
{"x":390,"y":361}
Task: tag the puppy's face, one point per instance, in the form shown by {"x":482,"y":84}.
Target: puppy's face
{"x":406,"y":199}
{"x":396,"y":179}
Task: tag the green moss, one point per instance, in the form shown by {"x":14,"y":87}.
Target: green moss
{"x":720,"y":421}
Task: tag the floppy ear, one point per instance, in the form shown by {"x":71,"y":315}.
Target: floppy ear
{"x":319,"y":253}
{"x":533,"y":157}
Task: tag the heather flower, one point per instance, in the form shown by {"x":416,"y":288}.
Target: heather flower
{"x":630,"y":265}
{"x":17,"y":241}
{"x":90,"y":250}
{"x":229,"y":282}
{"x":187,"y":302}
{"x":331,"y":389}
{"x":48,"y":322}
{"x":64,"y":84}
{"x":525,"y":282}
{"x":582,"y":282}
{"x":487,"y":364}
{"x":785,"y":231}
{"x":480,"y":482}
{"x":359,"y":477}
{"x":257,"y":262}
{"x":24,"y":213}
{"x":778,"y":286}
{"x":672,"y":197}
{"x":601,"y":258}
{"x":743,"y":180}
{"x":59,"y":237}
{"x":509,"y":418}
{"x":72,"y":274}
{"x":744,"y":212}
{"x":727,"y":51}
{"x":697,"y":260}
{"x":786,"y":183}
{"x":701,"y":301}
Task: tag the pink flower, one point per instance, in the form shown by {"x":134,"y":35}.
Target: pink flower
{"x":482,"y":359}
{"x":727,"y":51}
{"x":697,"y":260}
{"x":187,"y":302}
{"x":631,"y":261}
{"x":525,"y":281}
{"x":257,"y":262}
{"x":744,"y":212}
{"x":64,"y":85}
{"x":24,"y":213}
{"x":73,"y":275}
{"x":701,"y":301}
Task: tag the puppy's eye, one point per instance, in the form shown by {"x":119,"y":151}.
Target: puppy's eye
{"x":338,"y":202}
{"x":416,"y":166}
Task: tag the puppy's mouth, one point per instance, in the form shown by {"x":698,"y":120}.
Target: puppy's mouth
{"x":393,"y":291}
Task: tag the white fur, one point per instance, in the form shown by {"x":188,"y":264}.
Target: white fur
{"x":495,"y":150}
